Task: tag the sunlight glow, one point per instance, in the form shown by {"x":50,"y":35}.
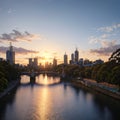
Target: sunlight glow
{"x":45,"y":80}
{"x":43,"y":109}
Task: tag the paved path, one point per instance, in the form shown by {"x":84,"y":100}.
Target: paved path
{"x":104,"y":85}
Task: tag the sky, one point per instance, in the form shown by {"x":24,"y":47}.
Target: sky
{"x":49,"y":28}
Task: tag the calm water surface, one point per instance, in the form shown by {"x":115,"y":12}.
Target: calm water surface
{"x":49,"y":99}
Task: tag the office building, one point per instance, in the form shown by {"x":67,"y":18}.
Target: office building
{"x":10,"y":55}
{"x":76,"y":56}
{"x":65,"y":59}
{"x":54,"y":62}
{"x":35,"y":62}
{"x":72,"y":58}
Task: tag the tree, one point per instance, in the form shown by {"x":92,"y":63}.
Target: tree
{"x":88,"y":72}
{"x":3,"y":81}
{"x":7,"y":74}
{"x":115,"y":57}
{"x":95,"y":71}
{"x":115,"y":76}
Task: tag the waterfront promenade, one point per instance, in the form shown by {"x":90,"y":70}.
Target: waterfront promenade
{"x":102,"y":87}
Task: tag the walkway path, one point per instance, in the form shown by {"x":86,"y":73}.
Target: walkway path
{"x":104,"y":85}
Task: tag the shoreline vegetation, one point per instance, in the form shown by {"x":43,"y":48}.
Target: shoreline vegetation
{"x":9,"y":77}
{"x":10,"y":87}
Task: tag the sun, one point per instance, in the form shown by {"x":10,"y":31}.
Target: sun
{"x":46,"y":57}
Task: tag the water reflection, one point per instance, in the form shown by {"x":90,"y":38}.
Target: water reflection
{"x":47,"y":80}
{"x":40,"y":80}
{"x":49,"y":99}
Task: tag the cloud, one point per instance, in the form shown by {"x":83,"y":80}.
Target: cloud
{"x":41,"y":58}
{"x":107,"y":46}
{"x":107,"y":50}
{"x":107,"y":40}
{"x":108,"y":43}
{"x":109,"y":28}
{"x":16,"y":36}
{"x":102,"y":42}
{"x":104,"y":36}
{"x":93,"y":40}
{"x":17,"y":50}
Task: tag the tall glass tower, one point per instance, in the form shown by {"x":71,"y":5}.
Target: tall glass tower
{"x":10,"y":55}
{"x":65,"y":59}
{"x":76,"y":56}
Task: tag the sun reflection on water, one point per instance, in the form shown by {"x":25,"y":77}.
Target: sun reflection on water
{"x":47,"y":80}
{"x":43,"y":105}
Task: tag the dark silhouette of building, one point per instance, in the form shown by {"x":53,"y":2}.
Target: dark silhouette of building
{"x":54,"y":62}
{"x":33,"y":62}
{"x":65,"y":59}
{"x":76,"y":56}
{"x":10,"y":55}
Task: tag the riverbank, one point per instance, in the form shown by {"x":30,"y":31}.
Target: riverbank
{"x":97,"y":87}
{"x":10,"y":87}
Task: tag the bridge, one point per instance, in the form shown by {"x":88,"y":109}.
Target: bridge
{"x":33,"y":74}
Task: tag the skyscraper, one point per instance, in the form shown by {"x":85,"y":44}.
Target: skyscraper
{"x":54,"y":62}
{"x":65,"y":59}
{"x":10,"y":55}
{"x":36,"y":62}
{"x":72,"y":58}
{"x":33,"y":62}
{"x":76,"y":56}
{"x":30,"y":62}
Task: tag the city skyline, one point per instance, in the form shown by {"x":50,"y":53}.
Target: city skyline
{"x":49,"y":28}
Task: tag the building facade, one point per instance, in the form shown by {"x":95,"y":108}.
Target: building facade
{"x":54,"y":62}
{"x":72,"y":58}
{"x":65,"y":59}
{"x":76,"y":56}
{"x":10,"y":55}
{"x":33,"y":62}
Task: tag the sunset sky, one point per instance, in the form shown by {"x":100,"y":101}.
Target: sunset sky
{"x":49,"y":28}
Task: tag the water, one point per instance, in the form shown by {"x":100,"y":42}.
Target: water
{"x":49,"y":99}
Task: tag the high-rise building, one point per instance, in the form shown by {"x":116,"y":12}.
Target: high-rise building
{"x":54,"y":62}
{"x":65,"y":59}
{"x":10,"y":55}
{"x":72,"y":58}
{"x":30,"y":62}
{"x":76,"y":56}
{"x":35,"y":62}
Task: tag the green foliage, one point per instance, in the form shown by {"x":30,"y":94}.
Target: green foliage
{"x":88,"y":72}
{"x":94,"y":73}
{"x":7,"y":74}
{"x":115,"y":57}
{"x":3,"y":83}
{"x":115,"y":75}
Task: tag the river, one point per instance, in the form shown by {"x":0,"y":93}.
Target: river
{"x":50,"y":99}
